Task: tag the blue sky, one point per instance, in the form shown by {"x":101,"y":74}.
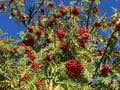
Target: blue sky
{"x":10,"y":26}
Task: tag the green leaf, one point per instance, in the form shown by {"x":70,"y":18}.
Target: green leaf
{"x":22,"y":34}
{"x":1,"y":31}
{"x":57,"y":87}
{"x":115,"y":10}
{"x":106,"y":80}
{"x":97,"y":2}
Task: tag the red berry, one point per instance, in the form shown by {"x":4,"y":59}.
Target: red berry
{"x":1,"y":88}
{"x":116,"y":51}
{"x":92,"y":0}
{"x":39,"y":32}
{"x":98,"y":24}
{"x":74,"y":68}
{"x":2,"y":6}
{"x":27,"y":49}
{"x":114,"y":36}
{"x":1,"y":52}
{"x":117,"y":27}
{"x":75,"y":11}
{"x":96,"y":9}
{"x":83,"y":42}
{"x":36,"y":65}
{"x":40,"y":84}
{"x":60,"y":34}
{"x":98,"y":52}
{"x":114,"y":21}
{"x":50,"y":22}
{"x":64,"y":46}
{"x":51,"y":4}
{"x":113,"y":81}
{"x":28,"y":41}
{"x":11,"y":0}
{"x":30,"y":28}
{"x":105,"y":69}
{"x":84,"y":33}
{"x":2,"y":40}
{"x":58,"y":15}
{"x":14,"y":51}
{"x":47,"y":57}
{"x":63,"y":9}
{"x":40,"y":27}
{"x":25,"y":76}
{"x":31,"y":56}
{"x":109,"y":24}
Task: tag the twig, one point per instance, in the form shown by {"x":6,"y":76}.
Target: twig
{"x":92,"y":29}
{"x":23,"y":21}
{"x":37,"y":9}
{"x":30,"y":10}
{"x":109,"y":41}
{"x":90,"y":8}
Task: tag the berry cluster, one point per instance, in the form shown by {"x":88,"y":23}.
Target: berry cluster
{"x":36,"y":65}
{"x":105,"y":69}
{"x":84,"y":35}
{"x":74,"y":68}
{"x":64,"y":46}
{"x":60,"y":34}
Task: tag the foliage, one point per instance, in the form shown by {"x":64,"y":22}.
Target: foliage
{"x":62,"y":47}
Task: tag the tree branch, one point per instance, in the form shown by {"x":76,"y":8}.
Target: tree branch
{"x":38,"y":8}
{"x":30,"y":10}
{"x":23,"y":21}
{"x":109,"y":41}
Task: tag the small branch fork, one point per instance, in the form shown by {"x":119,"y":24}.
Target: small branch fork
{"x":31,"y":12}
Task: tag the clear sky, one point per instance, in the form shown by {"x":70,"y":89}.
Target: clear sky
{"x":10,"y":26}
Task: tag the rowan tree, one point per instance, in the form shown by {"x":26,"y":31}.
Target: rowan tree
{"x":61,"y":47}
